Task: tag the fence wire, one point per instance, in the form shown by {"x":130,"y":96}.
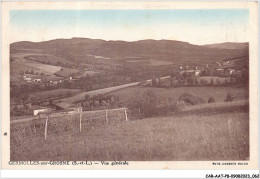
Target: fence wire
{"x":66,"y":123}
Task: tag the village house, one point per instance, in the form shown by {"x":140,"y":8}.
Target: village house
{"x":225,"y":63}
{"x":219,"y":72}
{"x":36,"y":110}
{"x":67,"y":106}
{"x":32,"y":78}
{"x":190,"y":73}
{"x":229,"y":71}
{"x":197,"y":72}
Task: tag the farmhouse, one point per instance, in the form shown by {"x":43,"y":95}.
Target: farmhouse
{"x":197,"y":72}
{"x":190,"y":73}
{"x":219,"y":71}
{"x":67,"y":106}
{"x":32,"y":78}
{"x":229,"y":71}
{"x":38,"y":109}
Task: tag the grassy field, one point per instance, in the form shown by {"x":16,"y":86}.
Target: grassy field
{"x":55,"y":93}
{"x":17,"y":69}
{"x":81,"y":96}
{"x":43,"y":58}
{"x":20,"y":65}
{"x":159,"y":63}
{"x":66,"y":72}
{"x":202,"y":135}
{"x":45,"y":68}
{"x":219,"y":93}
{"x":150,"y":62}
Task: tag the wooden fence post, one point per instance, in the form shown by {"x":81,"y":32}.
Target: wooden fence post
{"x":106,"y":117}
{"x":80,"y":119}
{"x":34,"y":129}
{"x":46,"y":126}
{"x":126,"y":115}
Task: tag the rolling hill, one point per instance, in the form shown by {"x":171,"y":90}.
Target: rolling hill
{"x":168,"y":50}
{"x":229,"y":45}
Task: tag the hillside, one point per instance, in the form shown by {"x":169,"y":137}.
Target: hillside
{"x":229,"y":45}
{"x":168,"y":50}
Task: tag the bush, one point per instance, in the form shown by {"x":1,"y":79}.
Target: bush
{"x":229,"y":98}
{"x":211,"y":100}
{"x":218,"y":81}
{"x":203,"y":82}
{"x":86,"y":96}
{"x":196,"y":81}
{"x":190,"y":80}
{"x":190,"y":99}
{"x":150,"y":104}
{"x":211,"y":81}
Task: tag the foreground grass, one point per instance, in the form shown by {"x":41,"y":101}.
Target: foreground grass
{"x":200,"y":136}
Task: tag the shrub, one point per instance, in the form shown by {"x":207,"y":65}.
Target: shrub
{"x":150,"y":104}
{"x":196,"y":81}
{"x":203,"y":82}
{"x":211,"y":81}
{"x":211,"y":100}
{"x":69,"y":93}
{"x":190,"y":99}
{"x":190,"y":80}
{"x":86,"y":96}
{"x":218,"y":81}
{"x":229,"y":98}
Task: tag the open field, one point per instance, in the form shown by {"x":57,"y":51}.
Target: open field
{"x":20,"y":64}
{"x":55,"y":93}
{"x":159,"y":63}
{"x":81,"y":96}
{"x":88,"y":73}
{"x":201,"y":136}
{"x":19,"y":67}
{"x":66,"y":72}
{"x":47,"y":69}
{"x":46,"y":58}
{"x":219,"y":93}
{"x":150,"y":62}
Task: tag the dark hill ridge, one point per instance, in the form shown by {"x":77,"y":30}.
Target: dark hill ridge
{"x":170,"y":50}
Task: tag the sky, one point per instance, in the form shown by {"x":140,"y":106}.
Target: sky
{"x":200,"y":27}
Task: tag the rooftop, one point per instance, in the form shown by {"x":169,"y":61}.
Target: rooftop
{"x":65,"y":105}
{"x":35,"y":107}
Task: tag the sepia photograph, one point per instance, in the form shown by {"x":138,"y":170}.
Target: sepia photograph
{"x":130,"y":85}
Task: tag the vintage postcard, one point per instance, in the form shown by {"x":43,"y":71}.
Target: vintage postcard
{"x":129,"y":85}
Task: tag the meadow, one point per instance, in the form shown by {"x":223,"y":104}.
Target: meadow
{"x":218,"y":92}
{"x":55,"y":93}
{"x":81,"y":96}
{"x":45,"y":68}
{"x":202,"y":135}
{"x":150,"y":62}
